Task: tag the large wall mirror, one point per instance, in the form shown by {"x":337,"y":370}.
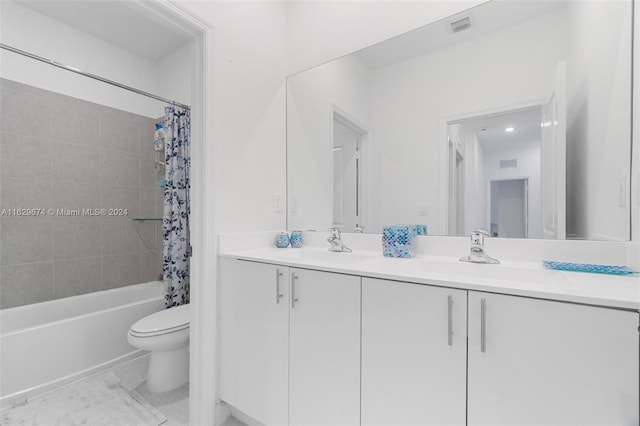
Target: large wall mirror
{"x":514,"y":116}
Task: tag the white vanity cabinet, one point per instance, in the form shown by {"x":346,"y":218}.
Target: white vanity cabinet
{"x":324,"y":374}
{"x":290,"y":344}
{"x":254,"y":339}
{"x":414,"y":354}
{"x":538,"y":362}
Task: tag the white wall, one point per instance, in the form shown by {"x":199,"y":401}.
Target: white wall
{"x":31,"y":31}
{"x":175,"y":73}
{"x":598,"y":127}
{"x":422,"y":92}
{"x":320,"y":31}
{"x":249,"y":111}
{"x":345,"y":83}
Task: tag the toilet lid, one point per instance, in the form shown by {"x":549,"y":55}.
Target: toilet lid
{"x":172,"y":319}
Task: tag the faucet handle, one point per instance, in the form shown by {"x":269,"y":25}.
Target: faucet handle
{"x":477,"y":236}
{"x":335,"y":232}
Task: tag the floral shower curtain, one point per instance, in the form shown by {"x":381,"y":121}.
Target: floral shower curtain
{"x":175,"y":224}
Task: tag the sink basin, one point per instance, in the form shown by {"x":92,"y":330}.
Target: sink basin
{"x":322,"y":256}
{"x":482,"y":271}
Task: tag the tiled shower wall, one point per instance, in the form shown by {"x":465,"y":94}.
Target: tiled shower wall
{"x":58,"y":152}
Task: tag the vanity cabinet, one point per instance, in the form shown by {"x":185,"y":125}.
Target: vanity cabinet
{"x":414,"y":354}
{"x":254,"y":339}
{"x":324,"y":357}
{"x":290,"y":344}
{"x":538,"y":362}
{"x":305,"y":347}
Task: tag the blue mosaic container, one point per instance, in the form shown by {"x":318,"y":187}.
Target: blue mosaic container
{"x":296,"y":239}
{"x":282,"y":240}
{"x":399,"y":241}
{"x":421,"y":229}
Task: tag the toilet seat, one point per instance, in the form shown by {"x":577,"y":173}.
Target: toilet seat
{"x":163,"y":322}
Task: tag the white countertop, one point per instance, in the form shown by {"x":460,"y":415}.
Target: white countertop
{"x":528,"y":279}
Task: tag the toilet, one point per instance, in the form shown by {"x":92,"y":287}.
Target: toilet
{"x":166,"y":335}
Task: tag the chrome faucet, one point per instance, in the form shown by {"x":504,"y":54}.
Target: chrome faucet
{"x":477,"y":254}
{"x":336,"y":241}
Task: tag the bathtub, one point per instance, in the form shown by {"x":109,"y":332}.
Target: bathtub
{"x":48,"y":344}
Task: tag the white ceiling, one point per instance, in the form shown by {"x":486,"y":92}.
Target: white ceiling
{"x":119,"y":22}
{"x":491,"y":132}
{"x":485,"y":18}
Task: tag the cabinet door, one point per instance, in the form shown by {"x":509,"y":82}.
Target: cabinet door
{"x":535,"y":362}
{"x":260,"y":339}
{"x":324,"y":349}
{"x":414,"y":354}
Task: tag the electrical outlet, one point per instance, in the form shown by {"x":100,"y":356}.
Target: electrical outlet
{"x":294,"y":204}
{"x":423,"y":210}
{"x":277,"y":202}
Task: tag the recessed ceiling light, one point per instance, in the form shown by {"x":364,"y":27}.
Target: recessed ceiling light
{"x":509,"y":129}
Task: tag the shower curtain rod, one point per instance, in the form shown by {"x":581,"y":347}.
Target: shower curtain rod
{"x":95,"y":77}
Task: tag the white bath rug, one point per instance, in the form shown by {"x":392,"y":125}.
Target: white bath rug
{"x":97,"y":401}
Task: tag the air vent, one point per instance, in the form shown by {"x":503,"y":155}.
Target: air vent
{"x":460,"y":25}
{"x":507,"y":164}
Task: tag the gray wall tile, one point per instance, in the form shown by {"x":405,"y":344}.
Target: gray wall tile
{"x":119,"y":197}
{"x":65,"y":153}
{"x":76,"y":238}
{"x":147,"y":200}
{"x":75,"y":163}
{"x":119,"y":236}
{"x":75,"y":121}
{"x":77,"y":276}
{"x":26,"y":284}
{"x":73,"y":196}
{"x":26,"y":241}
{"x":25,"y":113}
{"x":150,"y":266}
{"x":21,"y":193}
{"x":24,"y":156}
{"x":121,"y":270}
{"x":118,"y":168}
{"x":119,"y":130}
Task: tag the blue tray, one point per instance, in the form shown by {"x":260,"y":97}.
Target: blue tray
{"x":587,"y":267}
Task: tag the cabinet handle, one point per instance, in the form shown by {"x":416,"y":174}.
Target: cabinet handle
{"x":483,"y":325}
{"x":278,"y":294}
{"x":294,"y":299}
{"x":450,"y":319}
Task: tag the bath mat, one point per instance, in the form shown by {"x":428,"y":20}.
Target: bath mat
{"x":96,"y":401}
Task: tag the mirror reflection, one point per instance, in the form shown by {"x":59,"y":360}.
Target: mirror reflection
{"x":512,"y":116}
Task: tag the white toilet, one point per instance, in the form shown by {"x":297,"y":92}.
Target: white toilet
{"x":166,"y":335}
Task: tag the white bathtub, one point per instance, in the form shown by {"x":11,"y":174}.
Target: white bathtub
{"x":47,"y":344}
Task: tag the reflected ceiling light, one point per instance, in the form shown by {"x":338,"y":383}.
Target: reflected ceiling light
{"x":509,"y":129}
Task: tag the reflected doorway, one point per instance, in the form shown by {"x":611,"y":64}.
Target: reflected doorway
{"x":348,"y":139}
{"x":508,"y":208}
{"x":492,"y":157}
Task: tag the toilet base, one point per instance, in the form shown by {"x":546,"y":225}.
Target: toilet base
{"x":168,"y":370}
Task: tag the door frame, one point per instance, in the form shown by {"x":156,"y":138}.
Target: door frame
{"x":348,"y":120}
{"x":203,"y":334}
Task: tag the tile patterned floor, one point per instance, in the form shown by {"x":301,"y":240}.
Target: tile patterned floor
{"x":173,"y":404}
{"x":131,"y":375}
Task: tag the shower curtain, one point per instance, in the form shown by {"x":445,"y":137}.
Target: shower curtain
{"x":175,"y":223}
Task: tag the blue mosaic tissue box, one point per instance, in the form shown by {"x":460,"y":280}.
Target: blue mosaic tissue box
{"x":399,"y":241}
